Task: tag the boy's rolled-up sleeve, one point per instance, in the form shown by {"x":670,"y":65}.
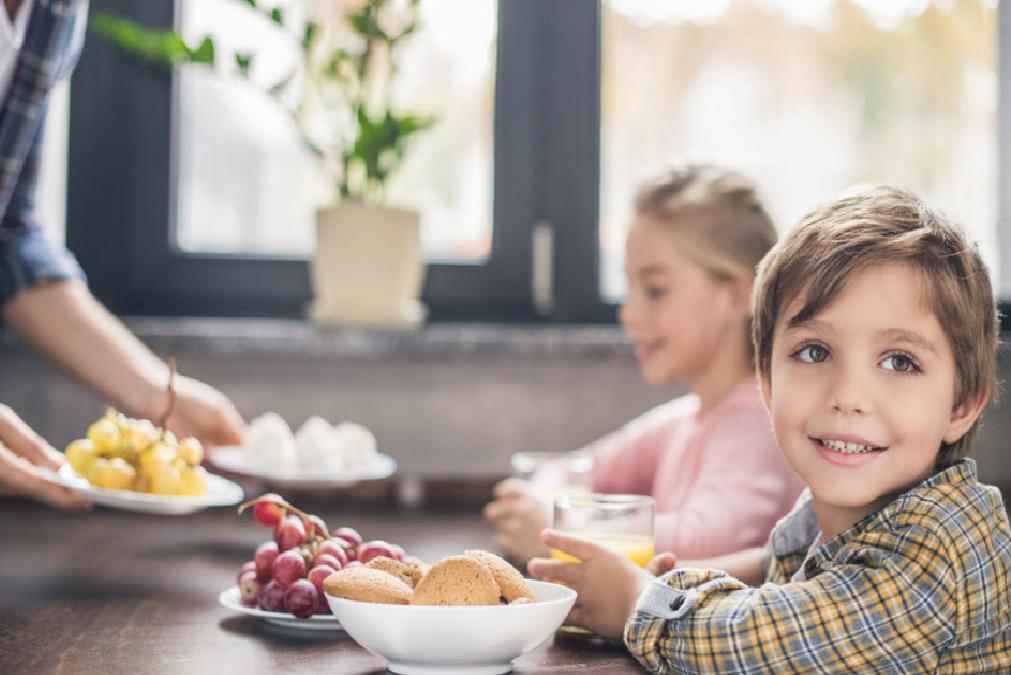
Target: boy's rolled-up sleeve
{"x":889,"y":609}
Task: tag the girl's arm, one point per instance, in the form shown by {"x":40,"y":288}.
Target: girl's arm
{"x":626,"y":460}
{"x":748,"y":566}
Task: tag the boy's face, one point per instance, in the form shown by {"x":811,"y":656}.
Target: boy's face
{"x":862,"y":395}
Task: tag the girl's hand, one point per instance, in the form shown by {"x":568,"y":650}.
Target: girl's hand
{"x":607,"y":584}
{"x":520,"y":511}
{"x":27,"y":463}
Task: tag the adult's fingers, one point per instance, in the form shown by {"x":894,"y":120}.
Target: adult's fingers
{"x":29,"y":479}
{"x":574,"y":546}
{"x":22,"y":440}
{"x":569,"y":573}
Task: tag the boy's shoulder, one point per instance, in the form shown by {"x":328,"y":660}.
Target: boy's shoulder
{"x":951,"y":502}
{"x":950,"y":520}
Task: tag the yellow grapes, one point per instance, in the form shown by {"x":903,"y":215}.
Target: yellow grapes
{"x":121,"y":453}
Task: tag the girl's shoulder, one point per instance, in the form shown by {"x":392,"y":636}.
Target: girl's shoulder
{"x":679,"y":408}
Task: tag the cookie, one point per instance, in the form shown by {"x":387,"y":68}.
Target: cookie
{"x":509,"y":580}
{"x":366,"y":584}
{"x":457,"y":580}
{"x":409,"y":573}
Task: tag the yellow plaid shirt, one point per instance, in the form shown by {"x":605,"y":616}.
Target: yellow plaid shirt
{"x":923,"y":585}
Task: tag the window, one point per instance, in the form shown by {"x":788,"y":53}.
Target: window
{"x":550,"y":114}
{"x":854,"y":91}
{"x":246,"y":184}
{"x":213,"y":199}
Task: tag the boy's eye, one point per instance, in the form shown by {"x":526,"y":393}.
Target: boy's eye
{"x":812,"y":354}
{"x":655,"y":292}
{"x":900,"y":363}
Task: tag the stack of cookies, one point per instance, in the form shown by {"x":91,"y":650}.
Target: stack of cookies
{"x":474,"y":578}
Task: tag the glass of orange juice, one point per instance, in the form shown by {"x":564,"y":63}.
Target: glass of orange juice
{"x":623,"y":523}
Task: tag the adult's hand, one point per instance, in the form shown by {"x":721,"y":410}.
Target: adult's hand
{"x":202,"y":411}
{"x":27,"y":463}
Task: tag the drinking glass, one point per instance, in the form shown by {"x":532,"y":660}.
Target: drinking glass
{"x":623,"y":523}
{"x":560,"y":473}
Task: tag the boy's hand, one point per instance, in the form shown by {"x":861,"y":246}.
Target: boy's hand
{"x":519,"y":512}
{"x":607,"y":584}
{"x":661,"y":564}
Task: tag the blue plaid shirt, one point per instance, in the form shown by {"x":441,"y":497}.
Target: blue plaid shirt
{"x":48,"y":54}
{"x":921,"y":586}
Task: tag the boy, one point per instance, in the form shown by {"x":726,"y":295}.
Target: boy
{"x":875,"y":333}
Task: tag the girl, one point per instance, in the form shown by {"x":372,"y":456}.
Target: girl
{"x":708,"y":458}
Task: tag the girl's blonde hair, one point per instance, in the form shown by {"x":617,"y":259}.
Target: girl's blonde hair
{"x":720,"y":222}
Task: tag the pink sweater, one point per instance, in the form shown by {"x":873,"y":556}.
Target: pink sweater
{"x":720,"y":481}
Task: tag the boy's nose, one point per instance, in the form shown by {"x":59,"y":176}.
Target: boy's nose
{"x":848,"y":395}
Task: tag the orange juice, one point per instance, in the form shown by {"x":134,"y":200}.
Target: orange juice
{"x":636,"y":547}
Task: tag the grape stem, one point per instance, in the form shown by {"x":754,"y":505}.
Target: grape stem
{"x":285,"y":509}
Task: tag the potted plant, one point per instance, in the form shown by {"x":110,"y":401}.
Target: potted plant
{"x":367,"y":268}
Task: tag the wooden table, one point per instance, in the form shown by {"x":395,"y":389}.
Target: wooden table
{"x":111,"y":592}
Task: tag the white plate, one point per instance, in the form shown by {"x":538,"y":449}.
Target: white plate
{"x":236,"y":459}
{"x":220,"y":492}
{"x":231,"y":599}
{"x":485,"y":640}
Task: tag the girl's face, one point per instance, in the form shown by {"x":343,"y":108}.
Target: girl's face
{"x":678,"y":314}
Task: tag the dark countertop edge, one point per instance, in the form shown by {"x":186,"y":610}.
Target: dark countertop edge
{"x":288,"y":338}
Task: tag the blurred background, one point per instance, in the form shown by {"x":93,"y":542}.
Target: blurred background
{"x":190,"y":199}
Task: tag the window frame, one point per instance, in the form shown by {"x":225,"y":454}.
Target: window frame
{"x":126,"y":149}
{"x":546,"y":171}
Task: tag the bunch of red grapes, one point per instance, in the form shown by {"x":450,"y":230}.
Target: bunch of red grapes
{"x":287,"y":574}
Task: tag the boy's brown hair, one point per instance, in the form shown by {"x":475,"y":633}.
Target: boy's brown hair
{"x":879,"y":225}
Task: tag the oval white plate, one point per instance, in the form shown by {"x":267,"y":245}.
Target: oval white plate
{"x":220,"y":492}
{"x":231,"y":599}
{"x":235,"y":459}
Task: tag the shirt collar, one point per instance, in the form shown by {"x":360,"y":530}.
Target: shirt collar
{"x":797,"y":530}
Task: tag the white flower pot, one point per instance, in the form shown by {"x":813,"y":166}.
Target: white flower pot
{"x":368,"y":267}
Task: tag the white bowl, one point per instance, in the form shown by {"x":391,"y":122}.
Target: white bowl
{"x":421,"y":640}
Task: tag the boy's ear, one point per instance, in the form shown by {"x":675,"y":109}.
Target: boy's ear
{"x":964,"y":416}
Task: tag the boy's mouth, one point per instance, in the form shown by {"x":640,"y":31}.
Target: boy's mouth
{"x":846,"y":447}
{"x":847,"y":452}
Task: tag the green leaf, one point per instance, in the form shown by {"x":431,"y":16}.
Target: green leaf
{"x":311,"y":28}
{"x":204,"y":53}
{"x":277,"y":16}
{"x":279,"y":86}
{"x":161,"y":47}
{"x":244,"y":62}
